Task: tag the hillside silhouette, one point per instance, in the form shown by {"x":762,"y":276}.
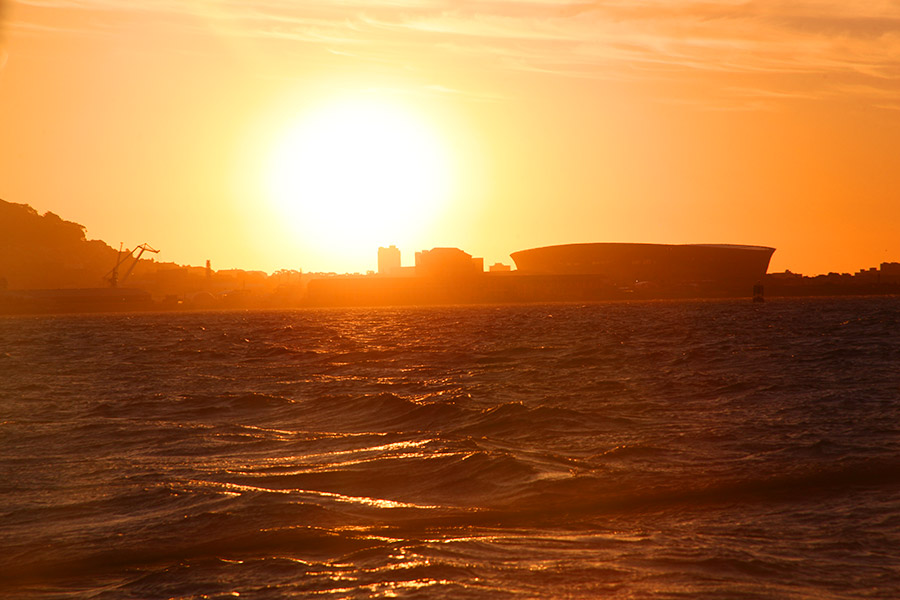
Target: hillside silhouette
{"x":46,"y":251}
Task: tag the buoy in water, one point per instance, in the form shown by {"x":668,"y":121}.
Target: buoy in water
{"x":758,"y":293}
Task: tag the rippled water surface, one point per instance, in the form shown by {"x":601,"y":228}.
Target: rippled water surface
{"x":621,"y":450}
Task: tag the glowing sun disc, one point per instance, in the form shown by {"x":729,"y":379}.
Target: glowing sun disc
{"x":354,"y":175}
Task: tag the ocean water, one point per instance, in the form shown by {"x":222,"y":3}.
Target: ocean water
{"x":615,"y":450}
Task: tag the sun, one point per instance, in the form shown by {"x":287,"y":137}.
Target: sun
{"x":355,"y":174}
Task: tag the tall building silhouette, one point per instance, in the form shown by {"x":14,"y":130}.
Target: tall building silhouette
{"x":388,"y":260}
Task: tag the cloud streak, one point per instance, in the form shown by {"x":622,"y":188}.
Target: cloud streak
{"x":832,"y":44}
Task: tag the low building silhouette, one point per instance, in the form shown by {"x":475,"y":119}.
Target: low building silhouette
{"x":890,"y":272}
{"x":447,"y":262}
{"x":716,"y":266}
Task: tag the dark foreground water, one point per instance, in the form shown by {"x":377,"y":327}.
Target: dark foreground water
{"x":646,"y":450}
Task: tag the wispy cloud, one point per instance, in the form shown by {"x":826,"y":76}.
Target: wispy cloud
{"x":833,"y":43}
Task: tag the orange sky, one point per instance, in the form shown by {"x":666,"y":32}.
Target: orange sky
{"x":772,"y":122}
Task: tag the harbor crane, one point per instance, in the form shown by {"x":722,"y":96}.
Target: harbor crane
{"x":113,"y":276}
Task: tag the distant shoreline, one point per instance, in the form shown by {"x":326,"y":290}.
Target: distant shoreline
{"x":27,"y":303}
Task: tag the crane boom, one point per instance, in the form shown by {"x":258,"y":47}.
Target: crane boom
{"x":113,"y":276}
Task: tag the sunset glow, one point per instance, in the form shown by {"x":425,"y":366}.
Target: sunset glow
{"x":352,"y":175}
{"x":482,"y":299}
{"x":289,"y":131}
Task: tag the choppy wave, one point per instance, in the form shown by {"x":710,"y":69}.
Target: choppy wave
{"x":662,"y":449}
